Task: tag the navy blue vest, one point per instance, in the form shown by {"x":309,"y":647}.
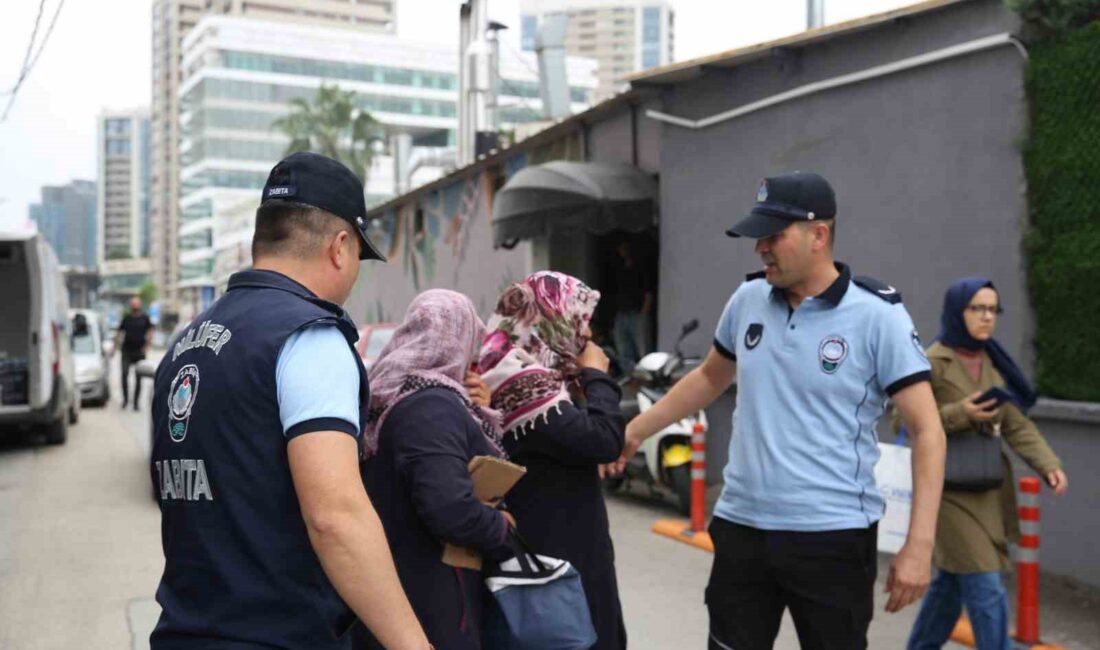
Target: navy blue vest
{"x":239,"y":568}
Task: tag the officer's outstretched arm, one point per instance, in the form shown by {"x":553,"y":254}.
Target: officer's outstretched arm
{"x":348,"y":537}
{"x":696,"y":390}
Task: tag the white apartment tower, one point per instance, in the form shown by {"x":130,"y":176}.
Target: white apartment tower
{"x":172,"y":21}
{"x":624,"y":36}
{"x":123,"y":185}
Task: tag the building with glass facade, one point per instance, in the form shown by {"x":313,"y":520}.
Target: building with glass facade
{"x":624,"y":36}
{"x":66,"y":217}
{"x":241,"y":74}
{"x":172,"y":21}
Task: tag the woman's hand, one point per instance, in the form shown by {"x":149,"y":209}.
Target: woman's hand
{"x":477,"y":389}
{"x":509,"y":518}
{"x":979,"y":411}
{"x":593,"y":356}
{"x":1058,"y":482}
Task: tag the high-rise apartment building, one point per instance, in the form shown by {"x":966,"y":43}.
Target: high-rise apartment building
{"x":624,"y":36}
{"x":241,"y":74}
{"x":172,"y":21}
{"x":123,"y":205}
{"x":66,"y":217}
{"x":123,"y":144}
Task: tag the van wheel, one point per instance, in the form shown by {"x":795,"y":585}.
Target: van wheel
{"x":57,"y":431}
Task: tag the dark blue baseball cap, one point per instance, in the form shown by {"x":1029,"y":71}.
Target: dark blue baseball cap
{"x":783,"y":200}
{"x":326,"y":184}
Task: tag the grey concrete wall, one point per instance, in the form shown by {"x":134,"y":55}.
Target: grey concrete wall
{"x":454,"y":250}
{"x":1070,"y":525}
{"x":610,"y":139}
{"x":925,"y":164}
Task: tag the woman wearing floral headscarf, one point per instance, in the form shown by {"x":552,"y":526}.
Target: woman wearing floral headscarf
{"x":536,"y":355}
{"x":422,"y":431}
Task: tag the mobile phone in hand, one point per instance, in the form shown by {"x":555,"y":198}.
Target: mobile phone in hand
{"x":996,"y":393}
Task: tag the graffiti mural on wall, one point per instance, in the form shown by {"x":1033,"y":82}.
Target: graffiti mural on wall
{"x":442,"y":241}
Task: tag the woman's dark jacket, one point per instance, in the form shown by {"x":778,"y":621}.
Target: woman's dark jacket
{"x":558,"y":504}
{"x":420,"y":486}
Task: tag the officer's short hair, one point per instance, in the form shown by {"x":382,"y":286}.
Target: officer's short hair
{"x":288,"y":228}
{"x":828,"y":222}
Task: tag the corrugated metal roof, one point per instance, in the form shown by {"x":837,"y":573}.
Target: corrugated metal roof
{"x":677,"y":72}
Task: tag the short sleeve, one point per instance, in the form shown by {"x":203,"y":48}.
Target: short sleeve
{"x":318,"y":383}
{"x":900,"y":360}
{"x":725,"y":337}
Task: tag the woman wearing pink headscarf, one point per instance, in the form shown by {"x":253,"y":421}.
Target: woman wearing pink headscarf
{"x":538,"y":355}
{"x":422,"y":431}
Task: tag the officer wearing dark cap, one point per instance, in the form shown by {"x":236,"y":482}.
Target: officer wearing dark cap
{"x":269,"y":538}
{"x":815,"y":353}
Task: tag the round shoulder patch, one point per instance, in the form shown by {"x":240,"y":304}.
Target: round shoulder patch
{"x":181,"y":399}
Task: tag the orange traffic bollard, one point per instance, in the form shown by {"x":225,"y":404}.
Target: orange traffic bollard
{"x":693,"y":532}
{"x":1027,"y":563}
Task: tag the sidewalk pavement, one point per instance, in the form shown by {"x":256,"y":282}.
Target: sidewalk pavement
{"x":661,"y":584}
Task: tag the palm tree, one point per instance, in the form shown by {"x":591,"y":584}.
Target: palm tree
{"x":334,"y":126}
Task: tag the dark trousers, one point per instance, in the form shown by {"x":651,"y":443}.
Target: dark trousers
{"x":129,"y":359}
{"x":826,"y":579}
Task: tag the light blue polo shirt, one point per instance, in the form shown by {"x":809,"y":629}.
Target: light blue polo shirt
{"x":811,"y":385}
{"x":317,"y":379}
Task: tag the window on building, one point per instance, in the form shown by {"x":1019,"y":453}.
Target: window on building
{"x":529,"y":27}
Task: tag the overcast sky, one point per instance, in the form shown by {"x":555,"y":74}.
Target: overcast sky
{"x":99,"y":57}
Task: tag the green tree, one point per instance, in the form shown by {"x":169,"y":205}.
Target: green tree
{"x":332,"y":125}
{"x":147,"y":293}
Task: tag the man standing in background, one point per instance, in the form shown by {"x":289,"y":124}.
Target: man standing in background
{"x":134,"y":334}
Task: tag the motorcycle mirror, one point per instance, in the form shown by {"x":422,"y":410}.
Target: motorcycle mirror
{"x":689,"y":327}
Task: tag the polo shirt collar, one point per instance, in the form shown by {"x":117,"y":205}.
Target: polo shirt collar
{"x":832,"y":295}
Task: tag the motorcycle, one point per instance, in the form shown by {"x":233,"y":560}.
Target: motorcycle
{"x":664,"y":460}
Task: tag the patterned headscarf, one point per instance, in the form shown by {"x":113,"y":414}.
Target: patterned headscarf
{"x":434,"y":346}
{"x":530,"y":354}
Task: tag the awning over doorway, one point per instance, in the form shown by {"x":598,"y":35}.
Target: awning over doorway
{"x":598,"y":197}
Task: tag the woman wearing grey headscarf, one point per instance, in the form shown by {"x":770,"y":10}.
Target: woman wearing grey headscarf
{"x":423,"y":430}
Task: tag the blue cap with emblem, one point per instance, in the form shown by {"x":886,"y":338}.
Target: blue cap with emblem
{"x":326,"y":184}
{"x":782,"y":200}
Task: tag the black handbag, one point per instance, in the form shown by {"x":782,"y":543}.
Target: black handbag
{"x":973,"y":463}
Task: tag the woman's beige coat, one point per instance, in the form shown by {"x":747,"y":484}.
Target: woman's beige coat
{"x":974,"y":528}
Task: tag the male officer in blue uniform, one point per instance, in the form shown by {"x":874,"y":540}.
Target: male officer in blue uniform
{"x":816,"y":354}
{"x":269,"y":537}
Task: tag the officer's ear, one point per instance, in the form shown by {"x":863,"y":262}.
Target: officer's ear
{"x":341,"y":248}
{"x":821,"y":235}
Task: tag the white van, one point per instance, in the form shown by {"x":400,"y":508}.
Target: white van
{"x":37,"y":379}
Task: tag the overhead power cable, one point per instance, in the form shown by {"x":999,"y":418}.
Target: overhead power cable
{"x":28,"y":66}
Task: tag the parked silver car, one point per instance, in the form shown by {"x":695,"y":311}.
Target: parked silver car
{"x":90,"y":358}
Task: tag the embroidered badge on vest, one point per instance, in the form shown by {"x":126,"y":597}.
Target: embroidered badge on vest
{"x":181,"y":399}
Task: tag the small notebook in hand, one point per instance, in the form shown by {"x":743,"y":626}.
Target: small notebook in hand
{"x":493,"y":478}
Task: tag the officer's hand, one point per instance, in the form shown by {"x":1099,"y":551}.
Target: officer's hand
{"x":477,"y":389}
{"x":593,"y":356}
{"x":909,"y":576}
{"x":630,"y":447}
{"x":979,"y":411}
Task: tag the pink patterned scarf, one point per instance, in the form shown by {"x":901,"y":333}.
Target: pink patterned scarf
{"x":529,"y":357}
{"x":434,"y":346}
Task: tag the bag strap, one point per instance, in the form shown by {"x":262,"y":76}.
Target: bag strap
{"x":524,"y":554}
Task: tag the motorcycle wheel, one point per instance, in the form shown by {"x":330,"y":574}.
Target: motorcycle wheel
{"x":681,"y":485}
